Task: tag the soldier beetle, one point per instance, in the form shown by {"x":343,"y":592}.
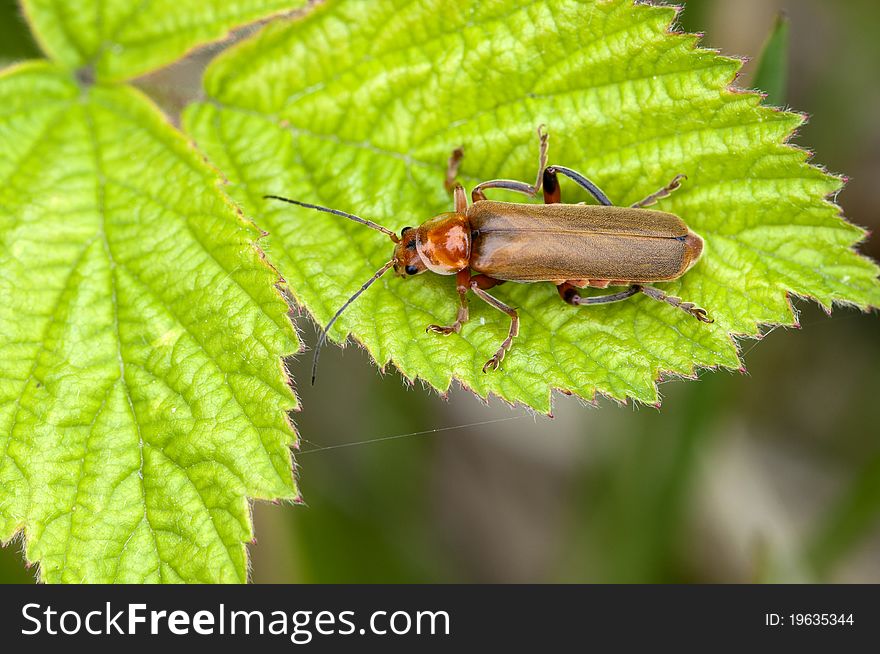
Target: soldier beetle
{"x":570,"y":245}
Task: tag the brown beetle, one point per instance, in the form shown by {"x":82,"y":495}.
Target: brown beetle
{"x":570,"y":245}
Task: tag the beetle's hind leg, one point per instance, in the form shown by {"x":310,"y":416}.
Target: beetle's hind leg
{"x":664,"y":192}
{"x":553,"y":194}
{"x":687,"y":307}
{"x":569,"y":293}
{"x":547,"y":176}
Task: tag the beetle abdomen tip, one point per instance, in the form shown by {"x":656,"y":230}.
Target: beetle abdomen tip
{"x":694,"y":246}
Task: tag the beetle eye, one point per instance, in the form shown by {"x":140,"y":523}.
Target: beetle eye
{"x":404,"y":230}
{"x":411,"y":270}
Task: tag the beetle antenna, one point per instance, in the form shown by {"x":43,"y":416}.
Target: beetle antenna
{"x":323,"y":337}
{"x":350,"y":216}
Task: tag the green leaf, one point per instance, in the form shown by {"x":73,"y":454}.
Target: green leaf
{"x":123,"y":39}
{"x":142,"y":398}
{"x":358,"y":106}
{"x":773,"y":64}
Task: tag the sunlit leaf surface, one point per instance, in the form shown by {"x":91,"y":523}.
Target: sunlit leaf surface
{"x":142,"y":399}
{"x":358,"y":106}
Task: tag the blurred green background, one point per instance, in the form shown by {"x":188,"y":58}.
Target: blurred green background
{"x":773,"y":475}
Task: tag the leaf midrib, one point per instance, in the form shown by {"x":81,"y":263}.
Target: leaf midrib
{"x":102,"y":230}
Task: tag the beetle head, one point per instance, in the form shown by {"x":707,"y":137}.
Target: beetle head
{"x":407,"y":261}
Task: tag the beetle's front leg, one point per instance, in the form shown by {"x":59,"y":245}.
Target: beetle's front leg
{"x":495,"y":361}
{"x":462,"y":283}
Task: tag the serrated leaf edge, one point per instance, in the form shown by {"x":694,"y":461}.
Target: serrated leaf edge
{"x":661,"y":375}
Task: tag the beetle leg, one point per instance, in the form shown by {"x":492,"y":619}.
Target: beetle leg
{"x":485,"y":282}
{"x":452,"y":168}
{"x":662,"y":193}
{"x":552,"y":192}
{"x":509,"y":184}
{"x":551,"y":182}
{"x":463,"y":282}
{"x":689,"y":307}
{"x":495,"y":361}
{"x":569,"y":293}
{"x":512,"y":185}
{"x":460,"y":196}
{"x":544,"y":145}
